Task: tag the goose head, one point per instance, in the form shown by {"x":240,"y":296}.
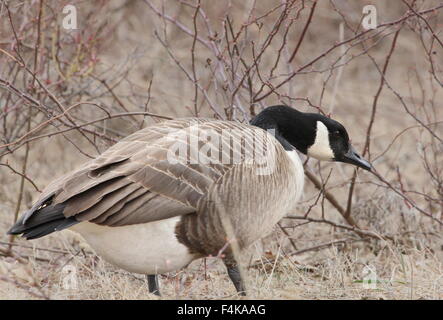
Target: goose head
{"x":310,"y":133}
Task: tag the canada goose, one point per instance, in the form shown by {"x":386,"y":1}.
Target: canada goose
{"x":148,"y":210}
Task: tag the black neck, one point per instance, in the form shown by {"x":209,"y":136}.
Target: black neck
{"x":293,"y":129}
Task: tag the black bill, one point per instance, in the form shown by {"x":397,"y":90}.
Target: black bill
{"x":354,"y":158}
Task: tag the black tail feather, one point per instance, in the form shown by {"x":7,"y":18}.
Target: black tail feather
{"x":44,"y":220}
{"x":49,"y":227}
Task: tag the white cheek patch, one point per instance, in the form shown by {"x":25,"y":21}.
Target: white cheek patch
{"x":321,"y":149}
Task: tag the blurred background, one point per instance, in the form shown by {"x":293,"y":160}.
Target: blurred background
{"x":68,"y":94}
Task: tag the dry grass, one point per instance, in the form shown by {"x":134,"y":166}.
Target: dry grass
{"x":322,"y":261}
{"x":331,"y":273}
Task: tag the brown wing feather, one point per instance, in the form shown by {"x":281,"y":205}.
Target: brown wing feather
{"x":133,"y":181}
{"x":111,"y":203}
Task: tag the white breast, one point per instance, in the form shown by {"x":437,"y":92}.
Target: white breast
{"x":149,"y":248}
{"x":299,"y":174}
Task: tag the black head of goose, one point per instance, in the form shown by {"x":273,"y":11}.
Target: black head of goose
{"x":310,"y":133}
{"x":188,"y":188}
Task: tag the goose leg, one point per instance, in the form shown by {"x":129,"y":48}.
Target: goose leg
{"x":153,"y":284}
{"x":235,"y":276}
